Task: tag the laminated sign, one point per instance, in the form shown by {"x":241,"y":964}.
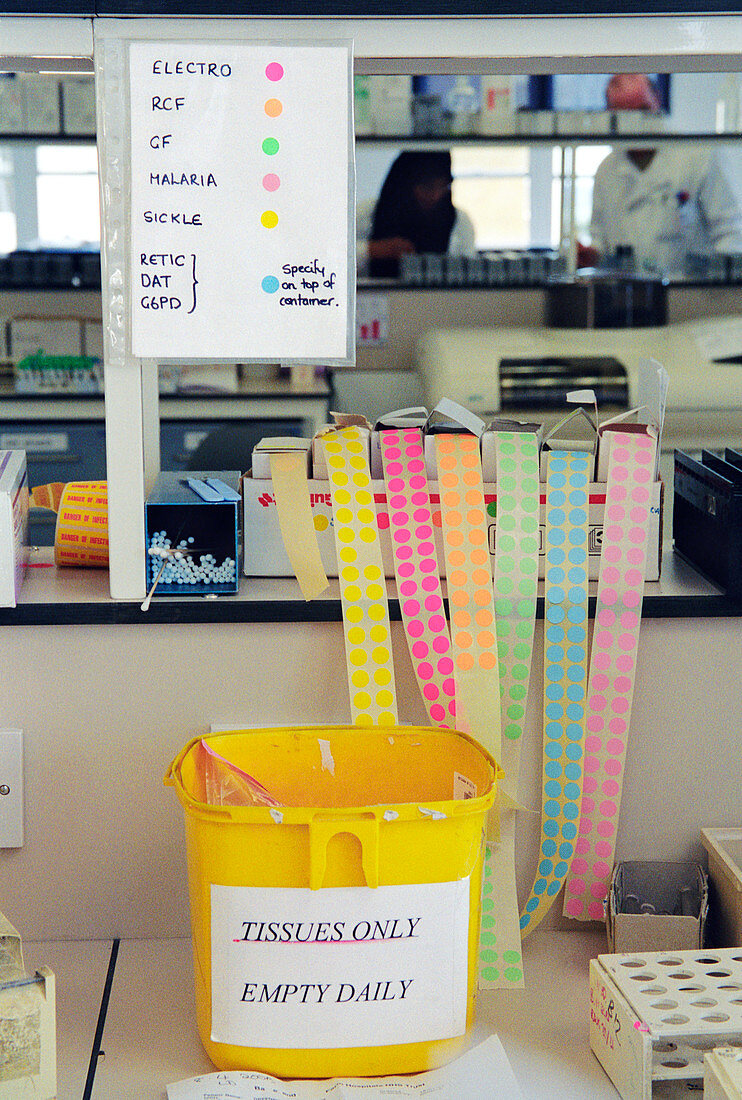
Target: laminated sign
{"x":339,"y":967}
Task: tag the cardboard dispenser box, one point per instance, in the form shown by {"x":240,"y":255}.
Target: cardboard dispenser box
{"x":265,"y":555}
{"x":191,"y":530}
{"x":656,"y":906}
{"x":724,"y":848}
{"x":13,"y":525}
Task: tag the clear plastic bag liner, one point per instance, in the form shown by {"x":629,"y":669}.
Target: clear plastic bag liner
{"x":225,"y":784}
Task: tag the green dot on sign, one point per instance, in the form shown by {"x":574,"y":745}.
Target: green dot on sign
{"x":502,"y":628}
{"x":488,"y":939}
{"x":488,"y":905}
{"x":529,"y":524}
{"x":512,"y":732}
{"x":524,"y":630}
{"x":492,"y":508}
{"x":507,"y":564}
{"x":528,"y":544}
{"x":509,"y":504}
{"x":506,"y":465}
{"x":489,"y":922}
{"x":488,"y":956}
{"x":511,"y":957}
{"x":507,"y":448}
{"x":513,"y":974}
{"x":528,"y":449}
{"x":504,"y":607}
{"x":529,"y":485}
{"x":507,"y":484}
{"x":522,"y":651}
{"x":270,"y":147}
{"x":527,"y":586}
{"x":530,"y":504}
{"x":517,"y":691}
{"x":515,"y":711}
{"x":501,"y":666}
{"x":506,"y":523}
{"x":490,"y":973}
{"x":528,"y":565}
{"x":487,"y":888}
{"x":520,"y":672}
{"x":505,"y":585}
{"x":505,"y":542}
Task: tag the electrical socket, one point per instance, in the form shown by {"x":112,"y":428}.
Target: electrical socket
{"x":11,"y":788}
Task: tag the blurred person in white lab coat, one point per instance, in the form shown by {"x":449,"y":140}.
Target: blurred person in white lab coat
{"x":657,"y":204}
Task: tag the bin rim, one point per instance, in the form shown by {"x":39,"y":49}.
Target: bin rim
{"x":288,"y":815}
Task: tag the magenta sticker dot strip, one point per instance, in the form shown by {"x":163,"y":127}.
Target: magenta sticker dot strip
{"x":612,"y":669}
{"x":416,"y":570}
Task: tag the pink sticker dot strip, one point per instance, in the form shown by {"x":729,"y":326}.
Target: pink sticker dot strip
{"x":362,"y":584}
{"x":416,"y":569}
{"x":612,"y":669}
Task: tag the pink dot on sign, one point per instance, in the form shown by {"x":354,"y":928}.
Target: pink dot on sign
{"x":611,"y":575}
{"x":415,"y":628}
{"x":417,"y":482}
{"x":274,"y":70}
{"x":616,"y":512}
{"x":573,"y":908}
{"x":579,"y":866}
{"x":622,"y":684}
{"x":396,"y":485}
{"x":620,"y":473}
{"x":617,"y":492}
{"x":425,"y":670}
{"x":633,"y":577}
{"x":416,"y":466}
{"x":397,"y":501}
{"x":430,"y":691}
{"x":595,"y":723}
{"x":631,"y":599}
{"x":592,"y":764}
{"x":437,"y":622}
{"x":621,"y":455}
{"x":423,"y":532}
{"x":399,"y":519}
{"x":600,"y":681}
{"x":640,"y":494}
{"x":411,"y":607}
{"x":408,"y":588}
{"x":635,"y":556}
{"x":445,"y":666}
{"x":422,"y":515}
{"x":597,"y":889}
{"x":593,"y":744}
{"x":406,"y":569}
{"x":428,"y":565}
{"x":608,"y":809}
{"x":641,"y":475}
{"x":610,"y":787}
{"x":440,"y":644}
{"x":595,"y":910}
{"x":413,"y":451}
{"x":615,"y":746}
{"x":271,"y":182}
{"x":613,"y":767}
{"x":637,"y":535}
{"x":626,"y":641}
{"x":629,"y":619}
{"x":624,"y":663}
{"x":437,"y":712}
{"x":606,"y":828}
{"x":638,"y":515}
{"x":394,"y":468}
{"x":577,"y":887}
{"x":430,"y":584}
{"x":452,"y":704}
{"x":613,"y":533}
{"x":590,"y":785}
{"x":610,"y":596}
{"x":419,"y":498}
{"x":606,"y":617}
{"x":425,"y":548}
{"x":393,"y":452}
{"x":617,"y":726}
{"x":604,"y":639}
{"x":600,"y":869}
{"x":432,"y":603}
{"x":602,"y":660}
{"x":603,"y":848}
{"x":420,"y":650}
{"x":449,"y":687}
{"x":620,"y":706}
{"x":612,"y":553}
{"x":587,"y":805}
{"x":402,"y":536}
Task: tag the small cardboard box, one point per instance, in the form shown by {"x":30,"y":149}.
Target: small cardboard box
{"x":724,"y":848}
{"x":53,"y":335}
{"x":78,"y":105}
{"x":42,"y":109}
{"x":191,"y":530}
{"x":265,"y":555}
{"x":13,"y":525}
{"x":28,"y":1051}
{"x":675,"y":901}
{"x":261,"y":455}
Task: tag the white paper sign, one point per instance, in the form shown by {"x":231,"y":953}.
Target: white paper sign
{"x":240,"y":162}
{"x":341,"y":967}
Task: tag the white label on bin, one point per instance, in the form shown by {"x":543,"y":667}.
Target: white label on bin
{"x":341,"y":967}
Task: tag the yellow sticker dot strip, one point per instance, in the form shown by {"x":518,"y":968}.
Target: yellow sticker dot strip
{"x":362,"y":585}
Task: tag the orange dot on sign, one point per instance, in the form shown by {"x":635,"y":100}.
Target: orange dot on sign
{"x":479,"y":557}
{"x":460,"y":618}
{"x":487,"y":660}
{"x":481,"y":598}
{"x":481,"y":576}
{"x":486,"y":639}
{"x":483,"y":617}
{"x":475,"y":515}
{"x":448,"y":481}
{"x":453,"y":519}
{"x":273,"y":107}
{"x":464,"y":661}
{"x":463,"y":639}
{"x":459,"y":599}
{"x":444,"y":444}
{"x":457,"y":578}
{"x":457,"y":558}
{"x":471,"y":477}
{"x":473,"y":498}
{"x":456,"y":538}
{"x":451,"y":500}
{"x":476,"y":537}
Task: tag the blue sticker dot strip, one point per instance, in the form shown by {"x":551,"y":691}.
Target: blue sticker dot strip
{"x":565,"y":674}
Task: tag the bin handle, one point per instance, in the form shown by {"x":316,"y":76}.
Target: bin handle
{"x":321,"y":832}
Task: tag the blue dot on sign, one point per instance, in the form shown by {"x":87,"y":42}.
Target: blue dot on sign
{"x":575,"y":712}
{"x":554,"y":888}
{"x":577,"y":516}
{"x":577,"y":556}
{"x":577,"y":536}
{"x":554,"y":711}
{"x":555,"y":614}
{"x":576,"y":693}
{"x":555,"y":557}
{"x":549,"y":847}
{"x":553,"y":691}
{"x":552,"y":788}
{"x":553,"y":769}
{"x":576,"y":634}
{"x":551,"y":828}
{"x":553,"y":750}
{"x":270,"y":284}
{"x":575,"y":674}
{"x":553,"y":729}
{"x":572,"y":791}
{"x":573,"y":752}
{"x":575,"y":653}
{"x":572,"y":771}
{"x":571,"y":810}
{"x":544,"y":867}
{"x":532,"y":904}
{"x":574,"y":731}
{"x":576,"y":614}
{"x":569,"y":831}
{"x":555,"y":634}
{"x":539,"y":886}
{"x":551,"y":808}
{"x":560,"y":869}
{"x":565,"y":850}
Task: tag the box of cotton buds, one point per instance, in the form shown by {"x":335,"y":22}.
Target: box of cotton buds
{"x":192,"y":534}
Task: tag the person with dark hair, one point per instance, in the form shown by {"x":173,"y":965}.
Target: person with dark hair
{"x":661,"y":202}
{"x":414,"y":214}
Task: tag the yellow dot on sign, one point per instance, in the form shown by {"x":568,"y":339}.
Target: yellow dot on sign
{"x":354,"y":614}
{"x":364,"y":720}
{"x":336,"y":461}
{"x":269,"y":219}
{"x":342,"y":496}
{"x":273,"y":107}
{"x":345,"y":534}
{"x":367,"y":534}
{"x":384,"y":698}
{"x":362,"y":700}
{"x":376,"y":612}
{"x":355,"y":446}
{"x":340,"y":478}
{"x":380,"y":654}
{"x":374,"y":592}
{"x":365,"y":515}
{"x":358,"y":656}
{"x":353,"y":593}
{"x":348,"y":554}
{"x":359,"y":678}
{"x":361,"y":480}
{"x":357,"y":462}
{"x":372,"y":572}
{"x":382,"y":677}
{"x":350,"y":573}
{"x":386,"y":719}
{"x":356,"y":635}
{"x":487,"y":660}
{"x":344,"y":515}
{"x":363,"y":498}
{"x":378,"y":633}
{"x":321,"y":523}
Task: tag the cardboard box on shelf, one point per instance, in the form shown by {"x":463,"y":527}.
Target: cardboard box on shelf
{"x":13,"y":525}
{"x":52,"y":335}
{"x":724,"y":848}
{"x":656,"y":906}
{"x":265,"y":555}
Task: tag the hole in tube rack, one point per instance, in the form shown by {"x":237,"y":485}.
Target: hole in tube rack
{"x":719,"y":973}
{"x":676,"y":1019}
{"x":691,"y":988}
{"x":702,"y":1044}
{"x":681,"y":976}
{"x":664,"y":1004}
{"x":644,"y":977}
{"x":675,"y":1063}
{"x":634,"y":963}
{"x":737,"y":958}
{"x":735,"y":1000}
{"x":665,"y":1047}
{"x":730,"y":986}
{"x":716,"y":1018}
{"x":704,"y":1002}
{"x":654,"y":990}
{"x":670,"y":962}
{"x":706,"y":961}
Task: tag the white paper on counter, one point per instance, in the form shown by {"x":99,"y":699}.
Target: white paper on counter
{"x":483,"y":1071}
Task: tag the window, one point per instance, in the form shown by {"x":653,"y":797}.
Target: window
{"x":8,"y":237}
{"x":586,"y":160}
{"x":67,"y":194}
{"x":504,"y":190}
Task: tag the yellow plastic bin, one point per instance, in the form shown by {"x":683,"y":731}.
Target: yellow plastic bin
{"x":338,"y":935}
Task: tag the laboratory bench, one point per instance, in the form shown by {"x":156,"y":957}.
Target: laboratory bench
{"x":126,"y":1017}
